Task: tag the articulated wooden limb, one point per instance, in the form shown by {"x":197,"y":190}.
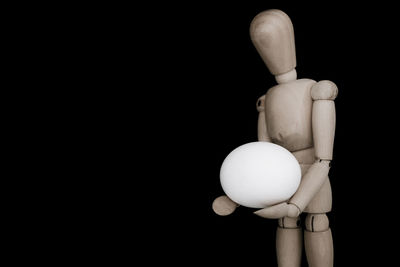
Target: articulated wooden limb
{"x":310,"y":184}
{"x":278,"y":211}
{"x":262,"y":131}
{"x":324,"y":118}
{"x":289,"y":242}
{"x":318,"y":241}
{"x":323,"y":126}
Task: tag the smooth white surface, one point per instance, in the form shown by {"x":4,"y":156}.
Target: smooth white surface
{"x":260,"y":174}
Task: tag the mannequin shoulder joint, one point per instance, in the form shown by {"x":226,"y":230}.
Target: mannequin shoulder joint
{"x":261,"y":103}
{"x":324,"y":90}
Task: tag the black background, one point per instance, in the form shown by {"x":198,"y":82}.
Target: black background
{"x":131,"y":110}
{"x":173,"y":89}
{"x":207,"y":78}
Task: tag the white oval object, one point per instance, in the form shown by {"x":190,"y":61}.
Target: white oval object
{"x":260,"y":174}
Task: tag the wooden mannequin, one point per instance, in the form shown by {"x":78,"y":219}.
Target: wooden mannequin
{"x":300,"y":116}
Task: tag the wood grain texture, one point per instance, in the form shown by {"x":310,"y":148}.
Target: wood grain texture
{"x":289,"y":244}
{"x":310,"y":184}
{"x":300,"y":116}
{"x":274,"y":212}
{"x":323,"y":125}
{"x":305,"y":156}
{"x":324,"y":90}
{"x":288,"y":108}
{"x":272,"y":34}
{"x":224,"y":206}
{"x":324,"y":118}
{"x":286,"y":77}
{"x":317,"y":222}
{"x":322,"y":200}
{"x":278,"y":211}
{"x":319,"y":248}
{"x":288,"y":222}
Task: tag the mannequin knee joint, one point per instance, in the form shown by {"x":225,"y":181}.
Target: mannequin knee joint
{"x":317,"y":222}
{"x":289,"y":223}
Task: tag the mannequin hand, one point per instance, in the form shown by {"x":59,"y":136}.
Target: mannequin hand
{"x":223,"y":206}
{"x":279,"y":211}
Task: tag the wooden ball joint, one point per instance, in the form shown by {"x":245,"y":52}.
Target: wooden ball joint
{"x":298,"y":114}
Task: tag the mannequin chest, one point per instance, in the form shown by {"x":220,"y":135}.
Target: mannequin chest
{"x":288,"y":110}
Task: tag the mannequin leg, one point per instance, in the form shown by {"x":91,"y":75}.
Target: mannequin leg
{"x":318,"y":241}
{"x":289,"y":242}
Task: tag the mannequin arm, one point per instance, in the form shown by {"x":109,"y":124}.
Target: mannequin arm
{"x":323,"y":125}
{"x":262,"y":131}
